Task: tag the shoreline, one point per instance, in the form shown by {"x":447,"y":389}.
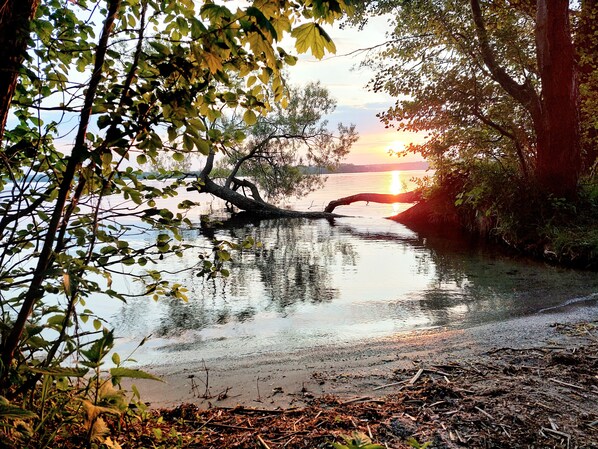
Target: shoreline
{"x":286,"y":380}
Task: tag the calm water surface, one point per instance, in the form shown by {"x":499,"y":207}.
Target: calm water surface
{"x":316,"y":283}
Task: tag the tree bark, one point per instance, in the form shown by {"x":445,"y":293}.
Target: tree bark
{"x":554,"y":113}
{"x":407,"y":197}
{"x":259,"y":209}
{"x":587,"y":57}
{"x":558,"y":150}
{"x":15,"y":26}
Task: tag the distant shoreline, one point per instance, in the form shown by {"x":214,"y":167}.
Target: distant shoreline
{"x":353,"y":168}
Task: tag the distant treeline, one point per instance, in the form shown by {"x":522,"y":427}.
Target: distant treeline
{"x":352,"y":168}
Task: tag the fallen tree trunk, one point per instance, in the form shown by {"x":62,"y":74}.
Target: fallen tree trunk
{"x":384,"y":198}
{"x":257,"y":208}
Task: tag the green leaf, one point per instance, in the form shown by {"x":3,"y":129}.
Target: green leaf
{"x":131,"y":373}
{"x":12,"y":412}
{"x":59,"y":371}
{"x":249,"y":117}
{"x":203,"y":146}
{"x":311,"y":36}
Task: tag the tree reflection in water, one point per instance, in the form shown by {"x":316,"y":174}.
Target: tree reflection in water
{"x":290,"y":268}
{"x":353,"y":279}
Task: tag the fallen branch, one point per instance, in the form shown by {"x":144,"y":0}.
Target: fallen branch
{"x":384,"y":198}
{"x":389,"y":385}
{"x":566,"y":384}
{"x":416,"y":377}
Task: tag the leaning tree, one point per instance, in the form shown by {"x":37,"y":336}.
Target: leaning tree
{"x":278,"y":155}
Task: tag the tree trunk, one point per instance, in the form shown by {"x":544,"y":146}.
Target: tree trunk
{"x":15,"y":26}
{"x":259,"y":209}
{"x":47,"y":253}
{"x":407,"y":197}
{"x":558,"y":148}
{"x":587,"y":57}
{"x":555,"y":113}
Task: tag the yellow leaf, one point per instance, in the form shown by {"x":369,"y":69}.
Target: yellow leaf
{"x":213,"y":62}
{"x":311,"y":36}
{"x":66,"y":282}
{"x":249,"y":117}
{"x":281,"y":24}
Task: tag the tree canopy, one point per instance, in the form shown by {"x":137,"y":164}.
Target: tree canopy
{"x":275,"y":154}
{"x":491,"y":80}
{"x":91,"y":90}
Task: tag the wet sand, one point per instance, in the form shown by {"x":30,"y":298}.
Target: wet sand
{"x":291,"y":379}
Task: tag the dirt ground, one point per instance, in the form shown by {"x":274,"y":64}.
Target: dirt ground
{"x":526,"y":383}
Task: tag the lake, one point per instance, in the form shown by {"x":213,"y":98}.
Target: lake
{"x":317,"y":282}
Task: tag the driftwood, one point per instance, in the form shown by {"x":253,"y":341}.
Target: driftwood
{"x":407,"y":197}
{"x":257,"y":207}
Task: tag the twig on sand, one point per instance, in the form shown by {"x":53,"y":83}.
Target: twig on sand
{"x":416,"y":377}
{"x":390,"y":385}
{"x":484,"y":412}
{"x":257,"y":383}
{"x":262,"y":442}
{"x":566,"y":384}
{"x":362,"y":399}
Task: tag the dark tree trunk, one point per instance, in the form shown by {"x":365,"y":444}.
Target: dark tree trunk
{"x":555,"y":113}
{"x":15,"y":26}
{"x":587,"y":56}
{"x":257,"y":208}
{"x":558,"y":148}
{"x":384,"y":198}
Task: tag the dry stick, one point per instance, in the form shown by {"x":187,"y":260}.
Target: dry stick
{"x":474,"y":368}
{"x":262,"y":442}
{"x":484,"y":412}
{"x":416,"y":377}
{"x":288,"y":442}
{"x":206,"y":393}
{"x":560,"y":382}
{"x":257,"y":382}
{"x":360,"y":399}
{"x":228,"y":426}
{"x":204,"y":424}
{"x":390,"y":385}
{"x":436,"y":371}
{"x":250,"y":410}
{"x":556,"y":432}
{"x":437,"y":403}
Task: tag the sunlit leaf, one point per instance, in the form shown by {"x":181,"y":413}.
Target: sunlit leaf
{"x":131,"y":373}
{"x":249,"y":117}
{"x":311,"y":36}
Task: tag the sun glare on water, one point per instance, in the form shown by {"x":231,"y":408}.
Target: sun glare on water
{"x":396,"y":186}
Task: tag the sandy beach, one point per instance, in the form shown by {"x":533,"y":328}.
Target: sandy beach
{"x":292,"y":379}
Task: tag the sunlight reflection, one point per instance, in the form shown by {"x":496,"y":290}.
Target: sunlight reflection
{"x":396,"y":186}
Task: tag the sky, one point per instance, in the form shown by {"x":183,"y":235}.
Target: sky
{"x":346,"y":81}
